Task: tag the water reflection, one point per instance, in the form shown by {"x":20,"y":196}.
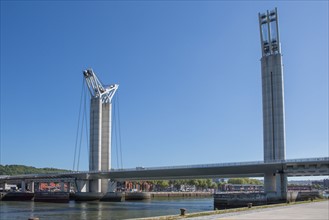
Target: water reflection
{"x":103,"y":210}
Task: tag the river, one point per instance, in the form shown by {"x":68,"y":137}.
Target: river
{"x":102,"y":210}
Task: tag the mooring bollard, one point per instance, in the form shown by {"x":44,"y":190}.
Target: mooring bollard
{"x":249,"y":205}
{"x":182,"y":211}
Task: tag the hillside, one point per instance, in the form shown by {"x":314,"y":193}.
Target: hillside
{"x":21,"y":169}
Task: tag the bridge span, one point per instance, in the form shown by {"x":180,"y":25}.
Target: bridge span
{"x":291,"y":167}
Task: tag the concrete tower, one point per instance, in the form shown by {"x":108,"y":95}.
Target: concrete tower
{"x":273,"y":102}
{"x":100,"y":128}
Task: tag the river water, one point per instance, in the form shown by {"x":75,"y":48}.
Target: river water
{"x":102,"y":210}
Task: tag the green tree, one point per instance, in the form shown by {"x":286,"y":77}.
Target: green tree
{"x":236,"y":181}
{"x":244,"y":181}
{"x":21,"y":169}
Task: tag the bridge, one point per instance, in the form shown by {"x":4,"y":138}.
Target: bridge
{"x":291,"y":167}
{"x":275,"y":168}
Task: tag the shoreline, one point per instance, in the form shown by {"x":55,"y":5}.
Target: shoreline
{"x":228,"y":211}
{"x":180,"y":194}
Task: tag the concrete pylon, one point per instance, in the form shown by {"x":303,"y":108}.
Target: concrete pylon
{"x":100,"y":128}
{"x":100,"y":142}
{"x":275,"y":182}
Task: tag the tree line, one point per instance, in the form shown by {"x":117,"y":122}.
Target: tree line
{"x":21,"y":169}
{"x":200,"y":184}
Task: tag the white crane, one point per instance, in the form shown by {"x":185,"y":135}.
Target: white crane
{"x":97,"y":89}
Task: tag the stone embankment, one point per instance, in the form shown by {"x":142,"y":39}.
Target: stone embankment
{"x":180,"y":194}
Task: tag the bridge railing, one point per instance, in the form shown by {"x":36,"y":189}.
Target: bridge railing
{"x":307,"y":160}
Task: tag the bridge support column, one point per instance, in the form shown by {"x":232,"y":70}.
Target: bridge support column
{"x":68,"y":187}
{"x":275,"y":185}
{"x":105,"y":185}
{"x":3,"y":186}
{"x":23,"y":186}
{"x":30,"y":186}
{"x":95,"y":185}
{"x":112,"y":186}
{"x":62,"y":184}
{"x":281,"y":186}
{"x":270,"y":182}
{"x":82,"y":186}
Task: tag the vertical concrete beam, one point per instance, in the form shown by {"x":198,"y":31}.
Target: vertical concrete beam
{"x":273,"y":104}
{"x":273,"y":108}
{"x":37,"y":186}
{"x":112,"y":186}
{"x":270,"y":182}
{"x":31,"y":186}
{"x":106,"y":143}
{"x":95,"y":141}
{"x":3,"y":186}
{"x":68,"y":189}
{"x":273,"y":120}
{"x":106,"y":133}
{"x":62,"y":185}
{"x":23,"y":186}
{"x":82,"y":186}
{"x":106,"y":139}
{"x":95,"y":134}
{"x":281,"y":186}
{"x":100,"y":142}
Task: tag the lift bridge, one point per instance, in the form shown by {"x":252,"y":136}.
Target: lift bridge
{"x":275,"y":168}
{"x":291,"y":167}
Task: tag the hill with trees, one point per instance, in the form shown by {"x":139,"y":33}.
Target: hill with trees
{"x":21,"y":169}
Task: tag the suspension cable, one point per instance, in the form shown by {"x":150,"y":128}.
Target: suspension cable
{"x":115,"y":132}
{"x":82,"y":122}
{"x":119,"y":128}
{"x":77,"y":134}
{"x":86,"y":120}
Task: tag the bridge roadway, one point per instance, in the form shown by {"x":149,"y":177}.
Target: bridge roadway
{"x":292,"y":167}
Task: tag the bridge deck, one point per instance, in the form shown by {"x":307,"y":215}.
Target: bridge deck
{"x":294,"y":167}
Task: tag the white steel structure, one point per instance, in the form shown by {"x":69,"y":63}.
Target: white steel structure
{"x":273,"y":101}
{"x":100,"y":128}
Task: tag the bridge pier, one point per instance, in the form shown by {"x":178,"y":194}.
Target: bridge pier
{"x":275,"y":186}
{"x":82,"y":185}
{"x":62,"y":186}
{"x":3,"y":186}
{"x":112,"y":186}
{"x":23,"y":185}
{"x":68,"y":187}
{"x":282,"y":186}
{"x":31,"y":187}
{"x":270,"y":182}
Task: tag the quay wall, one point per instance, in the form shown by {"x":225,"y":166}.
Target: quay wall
{"x":244,"y":199}
{"x":180,"y":194}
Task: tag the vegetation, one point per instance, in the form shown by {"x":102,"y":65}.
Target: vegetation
{"x":200,"y":184}
{"x":244,"y":181}
{"x":196,"y":184}
{"x":21,"y":169}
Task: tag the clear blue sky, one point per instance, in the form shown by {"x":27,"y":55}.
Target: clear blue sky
{"x":189,"y":75}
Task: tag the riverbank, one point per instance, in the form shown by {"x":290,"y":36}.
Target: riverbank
{"x":114,"y":197}
{"x":256,"y":209}
{"x":180,"y":194}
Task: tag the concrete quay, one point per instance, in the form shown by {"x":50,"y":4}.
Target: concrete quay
{"x":314,"y":210}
